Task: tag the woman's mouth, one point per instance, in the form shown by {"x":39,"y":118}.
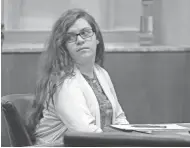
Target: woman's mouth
{"x":82,"y":48}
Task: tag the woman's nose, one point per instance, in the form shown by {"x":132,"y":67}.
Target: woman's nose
{"x":79,"y":40}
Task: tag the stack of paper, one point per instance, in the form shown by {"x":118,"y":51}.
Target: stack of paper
{"x":148,"y":128}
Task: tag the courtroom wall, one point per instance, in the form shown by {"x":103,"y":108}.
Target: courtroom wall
{"x":151,"y":87}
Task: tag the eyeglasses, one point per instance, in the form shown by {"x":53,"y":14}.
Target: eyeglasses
{"x":84,"y":33}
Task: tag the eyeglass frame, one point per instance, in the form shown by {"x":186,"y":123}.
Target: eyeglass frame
{"x":77,"y":34}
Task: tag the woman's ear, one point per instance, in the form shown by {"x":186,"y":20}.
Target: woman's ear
{"x":97,"y":42}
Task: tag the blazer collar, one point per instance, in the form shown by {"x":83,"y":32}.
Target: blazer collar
{"x":103,"y":80}
{"x":88,"y":92}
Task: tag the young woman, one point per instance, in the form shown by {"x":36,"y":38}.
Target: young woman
{"x":74,"y":92}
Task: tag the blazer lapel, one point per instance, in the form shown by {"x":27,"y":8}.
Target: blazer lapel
{"x":89,"y":95}
{"x":106,"y":88}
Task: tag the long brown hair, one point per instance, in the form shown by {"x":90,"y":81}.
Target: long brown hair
{"x":56,"y":63}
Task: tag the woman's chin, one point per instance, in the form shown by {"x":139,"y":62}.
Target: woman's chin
{"x":87,"y":57}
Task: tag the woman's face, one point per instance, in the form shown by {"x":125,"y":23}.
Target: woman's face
{"x":81,"y":42}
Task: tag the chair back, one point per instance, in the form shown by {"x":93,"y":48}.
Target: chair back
{"x":5,"y":140}
{"x":14,"y":111}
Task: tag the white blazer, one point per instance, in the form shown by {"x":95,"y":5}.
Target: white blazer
{"x":77,"y":105}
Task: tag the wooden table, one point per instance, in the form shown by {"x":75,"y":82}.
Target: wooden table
{"x":113,"y":137}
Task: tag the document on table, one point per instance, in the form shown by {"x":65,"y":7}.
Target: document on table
{"x":151,"y":127}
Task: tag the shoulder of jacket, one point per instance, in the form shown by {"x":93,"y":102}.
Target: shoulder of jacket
{"x":99,"y":68}
{"x":69,"y":83}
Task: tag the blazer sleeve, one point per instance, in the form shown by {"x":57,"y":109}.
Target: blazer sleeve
{"x":120,"y":117}
{"x":73,"y":111}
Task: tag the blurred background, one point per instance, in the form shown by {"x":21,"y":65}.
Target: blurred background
{"x":169,"y":20}
{"x":147,"y":51}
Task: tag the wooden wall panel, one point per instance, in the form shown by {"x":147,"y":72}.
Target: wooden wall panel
{"x":151,"y":87}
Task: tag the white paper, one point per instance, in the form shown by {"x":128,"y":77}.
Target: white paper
{"x":149,"y":127}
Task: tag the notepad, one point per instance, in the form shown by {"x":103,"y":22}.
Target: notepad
{"x":152,"y":127}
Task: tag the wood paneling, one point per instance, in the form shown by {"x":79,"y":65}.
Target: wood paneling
{"x":151,"y":87}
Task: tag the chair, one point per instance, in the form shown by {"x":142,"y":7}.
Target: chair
{"x":17,"y":133}
{"x":14,"y":110}
{"x":5,"y":140}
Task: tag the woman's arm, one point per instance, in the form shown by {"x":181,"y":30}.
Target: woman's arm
{"x":72,"y":109}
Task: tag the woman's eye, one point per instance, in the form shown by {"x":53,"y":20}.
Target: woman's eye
{"x":71,"y":36}
{"x":84,"y":33}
